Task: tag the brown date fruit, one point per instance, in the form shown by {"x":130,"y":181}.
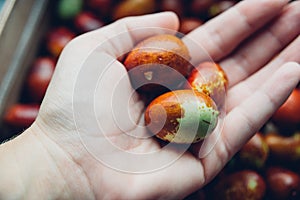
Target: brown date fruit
{"x":289,"y":113}
{"x":21,"y":115}
{"x":58,"y":39}
{"x":158,"y":60}
{"x":181,"y":116}
{"x":87,"y":21}
{"x":282,"y":183}
{"x":285,"y":148}
{"x":189,"y":24}
{"x":209,"y":78}
{"x":241,"y":185}
{"x":255,"y":152}
{"x":133,"y":8}
{"x":219,"y":7}
{"x":39,"y":77}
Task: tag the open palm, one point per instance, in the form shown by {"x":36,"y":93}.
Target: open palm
{"x":244,"y":40}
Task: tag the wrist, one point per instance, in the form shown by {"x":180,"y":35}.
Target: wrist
{"x":33,"y":167}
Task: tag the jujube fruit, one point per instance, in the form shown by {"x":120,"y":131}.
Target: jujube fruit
{"x":21,"y":115}
{"x":181,"y":116}
{"x":283,"y":183}
{"x":209,"y":78}
{"x":39,"y":77}
{"x":159,"y":60}
{"x":241,"y":185}
{"x":255,"y":152}
{"x":284,"y":148}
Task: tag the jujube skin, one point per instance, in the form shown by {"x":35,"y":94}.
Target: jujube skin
{"x":182,"y":116}
{"x":161,"y":60}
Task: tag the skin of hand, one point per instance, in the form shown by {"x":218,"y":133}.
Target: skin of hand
{"x":254,"y":42}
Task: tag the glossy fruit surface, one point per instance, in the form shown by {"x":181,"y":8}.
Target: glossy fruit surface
{"x":284,"y":148}
{"x":283,"y":183}
{"x":86,"y":21}
{"x":161,"y":59}
{"x":58,"y":39}
{"x":21,"y":115}
{"x":209,"y":78}
{"x":255,"y":152}
{"x":241,"y":185}
{"x":133,"y":8}
{"x":39,"y":77}
{"x":181,"y":116}
{"x":289,"y":112}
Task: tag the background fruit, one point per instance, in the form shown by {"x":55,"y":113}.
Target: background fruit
{"x":39,"y":77}
{"x":87,"y":21}
{"x":255,"y":152}
{"x":289,"y":113}
{"x":284,"y":148}
{"x":57,"y":39}
{"x":133,"y":8}
{"x":283,"y":184}
{"x":189,"y":24}
{"x":21,"y":115}
{"x":245,"y":184}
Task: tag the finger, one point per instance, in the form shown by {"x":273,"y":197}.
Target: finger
{"x":257,"y":51}
{"x":120,"y":37}
{"x":223,"y":33}
{"x":248,"y":86}
{"x":250,"y":115}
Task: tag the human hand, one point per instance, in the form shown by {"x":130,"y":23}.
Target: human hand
{"x":245,"y":52}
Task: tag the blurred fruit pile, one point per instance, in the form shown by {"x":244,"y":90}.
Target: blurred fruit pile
{"x":267,"y":167}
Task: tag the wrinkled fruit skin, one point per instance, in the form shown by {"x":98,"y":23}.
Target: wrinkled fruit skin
{"x":284,"y":148}
{"x":242,"y":185}
{"x":255,"y":152}
{"x":181,"y":116}
{"x":283,"y":184}
{"x":39,"y":77}
{"x":161,"y":59}
{"x":209,"y":78}
{"x":21,"y":115}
